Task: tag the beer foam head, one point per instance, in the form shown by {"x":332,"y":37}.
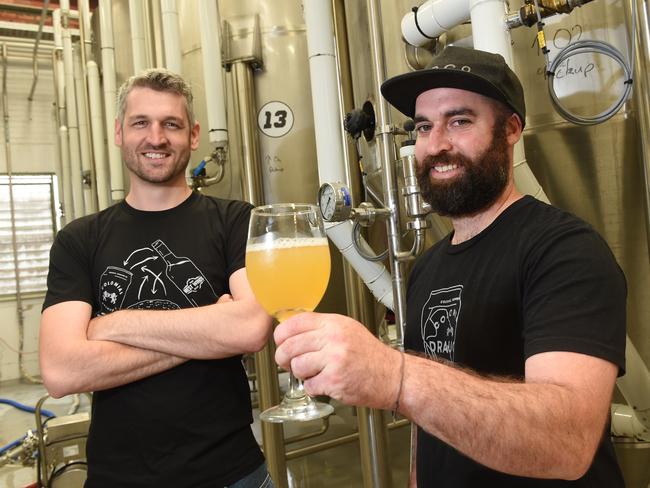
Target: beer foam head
{"x":286,"y":243}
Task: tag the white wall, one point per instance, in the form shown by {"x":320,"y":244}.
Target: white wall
{"x":33,"y":150}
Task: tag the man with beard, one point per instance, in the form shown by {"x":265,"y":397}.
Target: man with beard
{"x":148,"y":306}
{"x":515,"y":321}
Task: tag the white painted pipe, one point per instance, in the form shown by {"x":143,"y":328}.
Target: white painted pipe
{"x":374,"y":274}
{"x":138,"y":41}
{"x":71,"y":112}
{"x":329,"y":141}
{"x":213,"y":73}
{"x":433,"y":18}
{"x":90,"y":202}
{"x":324,"y":90}
{"x":635,"y":385}
{"x":110,"y":96}
{"x":64,"y":143}
{"x":625,"y":423}
{"x":489,"y":33}
{"x":171,"y":36}
{"x":66,"y":179}
{"x":97,"y":131}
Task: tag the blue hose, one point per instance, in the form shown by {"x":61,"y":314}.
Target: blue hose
{"x":11,"y":445}
{"x":25,"y":408}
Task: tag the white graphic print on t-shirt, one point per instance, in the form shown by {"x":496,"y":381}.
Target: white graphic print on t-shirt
{"x":438,"y":322}
{"x":151,"y":271}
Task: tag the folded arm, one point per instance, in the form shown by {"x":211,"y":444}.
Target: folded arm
{"x":70,"y":363}
{"x":223,"y":329}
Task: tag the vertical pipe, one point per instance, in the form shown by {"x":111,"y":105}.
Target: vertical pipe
{"x":171,"y":34}
{"x":489,"y":33}
{"x":14,"y":244}
{"x":85,"y":52}
{"x":138,"y":42}
{"x":386,"y":154}
{"x":59,"y":81}
{"x":97,"y":131}
{"x":324,"y":90}
{"x":213,"y":73}
{"x":641,"y":95}
{"x":41,"y":23}
{"x":156,"y":26}
{"x":149,"y":41}
{"x":251,"y":171}
{"x":267,"y":371}
{"x":89,"y":194}
{"x":71,"y":106}
{"x":110,"y":96}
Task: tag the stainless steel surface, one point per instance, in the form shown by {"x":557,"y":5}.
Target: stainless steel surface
{"x":387,"y":157}
{"x":245,"y":100}
{"x":595,"y":172}
{"x":642,"y":93}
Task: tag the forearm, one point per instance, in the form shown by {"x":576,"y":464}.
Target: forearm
{"x":536,"y":430}
{"x":209,"y":332}
{"x":98,"y":365}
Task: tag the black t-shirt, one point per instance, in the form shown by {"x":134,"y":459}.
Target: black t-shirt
{"x":188,"y":426}
{"x":536,"y":280}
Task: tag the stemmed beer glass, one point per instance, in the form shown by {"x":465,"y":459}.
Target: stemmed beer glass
{"x":288,"y":268}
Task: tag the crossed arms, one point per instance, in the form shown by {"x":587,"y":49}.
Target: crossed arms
{"x":80,"y":354}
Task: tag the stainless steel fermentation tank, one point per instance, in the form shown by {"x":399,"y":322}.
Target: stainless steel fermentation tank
{"x":595,"y":172}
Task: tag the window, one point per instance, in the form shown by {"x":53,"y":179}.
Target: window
{"x":27,"y":235}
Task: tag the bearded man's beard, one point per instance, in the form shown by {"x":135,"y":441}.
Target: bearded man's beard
{"x":480,"y":184}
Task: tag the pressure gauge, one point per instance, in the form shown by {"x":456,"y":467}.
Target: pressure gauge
{"x":334,"y":201}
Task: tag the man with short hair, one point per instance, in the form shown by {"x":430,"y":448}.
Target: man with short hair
{"x":516,"y":320}
{"x":148,"y":306}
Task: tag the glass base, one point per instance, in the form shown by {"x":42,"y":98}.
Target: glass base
{"x":296,"y":410}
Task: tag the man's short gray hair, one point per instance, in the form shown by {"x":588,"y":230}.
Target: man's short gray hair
{"x":158,"y":79}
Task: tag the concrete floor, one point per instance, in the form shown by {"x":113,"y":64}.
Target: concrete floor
{"x":339,"y":466}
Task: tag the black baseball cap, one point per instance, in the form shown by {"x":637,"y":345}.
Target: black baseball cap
{"x":463,"y":68}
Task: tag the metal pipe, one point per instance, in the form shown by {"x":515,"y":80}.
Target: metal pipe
{"x":641,"y":95}
{"x":138,"y":42}
{"x":97,"y":133}
{"x":88,"y":181}
{"x":305,"y":451}
{"x":39,"y":34}
{"x":12,"y":209}
{"x":149,"y":41}
{"x":85,"y":52}
{"x":373,"y":445}
{"x":267,"y":370}
{"x":110,"y":95}
{"x":64,"y":145}
{"x":215,"y":98}
{"x":244,"y":98}
{"x":489,"y":34}
{"x":156,"y":27}
{"x":171,"y":35}
{"x":71,"y":112}
{"x":324,"y":427}
{"x":386,"y":154}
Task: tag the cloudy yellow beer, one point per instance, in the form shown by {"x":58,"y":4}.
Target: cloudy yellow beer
{"x":288,"y":275}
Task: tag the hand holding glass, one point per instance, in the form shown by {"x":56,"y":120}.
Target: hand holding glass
{"x":288,"y":268}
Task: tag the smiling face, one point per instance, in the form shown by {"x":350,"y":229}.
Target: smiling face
{"x":464,"y":150}
{"x":155,"y":137}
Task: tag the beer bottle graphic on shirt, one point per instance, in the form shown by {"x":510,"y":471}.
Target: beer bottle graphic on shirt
{"x":184,"y":274}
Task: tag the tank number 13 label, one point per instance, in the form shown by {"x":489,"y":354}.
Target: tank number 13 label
{"x":275,"y":119}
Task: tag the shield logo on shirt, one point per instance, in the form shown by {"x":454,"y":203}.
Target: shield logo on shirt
{"x":438,"y":322}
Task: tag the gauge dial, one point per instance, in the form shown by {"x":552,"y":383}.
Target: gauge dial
{"x":334,"y":202}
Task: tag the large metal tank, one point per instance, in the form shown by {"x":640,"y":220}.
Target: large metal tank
{"x":596,"y":171}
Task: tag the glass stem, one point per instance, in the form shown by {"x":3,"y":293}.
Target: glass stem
{"x":296,"y":389}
